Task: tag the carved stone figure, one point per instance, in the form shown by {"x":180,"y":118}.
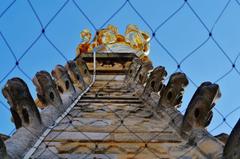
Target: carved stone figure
{"x":198,"y":113}
{"x":62,"y":79}
{"x":75,"y":75}
{"x":22,"y":106}
{"x":47,"y":92}
{"x":155,"y":81}
{"x":83,"y":68}
{"x":172,"y":94}
{"x":143,"y":72}
{"x":85,"y":45}
{"x":232,"y":147}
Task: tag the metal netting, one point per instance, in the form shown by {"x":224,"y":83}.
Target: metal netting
{"x":200,"y":39}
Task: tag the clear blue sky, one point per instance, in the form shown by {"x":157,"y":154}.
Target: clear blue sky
{"x":180,"y":35}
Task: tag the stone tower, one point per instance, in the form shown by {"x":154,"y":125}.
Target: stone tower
{"x":110,"y":102}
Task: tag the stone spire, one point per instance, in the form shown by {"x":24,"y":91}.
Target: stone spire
{"x":129,"y":111}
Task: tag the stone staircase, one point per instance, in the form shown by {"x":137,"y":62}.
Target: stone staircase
{"x":110,"y":121}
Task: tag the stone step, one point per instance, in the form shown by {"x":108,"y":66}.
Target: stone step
{"x":97,"y":97}
{"x":116,"y":137}
{"x":124,"y":100}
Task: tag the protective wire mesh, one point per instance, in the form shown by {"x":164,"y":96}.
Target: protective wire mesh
{"x":209,"y":57}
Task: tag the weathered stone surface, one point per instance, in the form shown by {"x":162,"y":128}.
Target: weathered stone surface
{"x":109,"y":64}
{"x":22,"y":106}
{"x":63,"y":81}
{"x":232,"y":147}
{"x":75,"y":75}
{"x":172,"y":94}
{"x":47,"y":92}
{"x":198,"y":113}
{"x":205,"y":142}
{"x":133,"y":69}
{"x":3,"y":152}
{"x":155,"y":81}
{"x":113,"y":121}
{"x":222,"y":137}
{"x":143,"y":72}
{"x":83,"y":70}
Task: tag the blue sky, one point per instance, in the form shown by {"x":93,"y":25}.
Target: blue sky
{"x":181,"y":39}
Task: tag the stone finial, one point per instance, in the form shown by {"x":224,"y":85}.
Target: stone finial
{"x":133,"y":69}
{"x":62,"y":79}
{"x":143,"y":72}
{"x":75,"y":75}
{"x":198,"y":113}
{"x":172,"y":94}
{"x":83,"y":70}
{"x":47,"y":92}
{"x":3,"y":151}
{"x":22,"y":106}
{"x":232,"y":147}
{"x":155,"y":80}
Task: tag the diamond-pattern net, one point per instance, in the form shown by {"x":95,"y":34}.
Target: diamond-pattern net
{"x":200,"y":39}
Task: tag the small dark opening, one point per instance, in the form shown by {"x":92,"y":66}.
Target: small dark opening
{"x":17,"y":120}
{"x":140,"y":78}
{"x":196,"y":113}
{"x":130,"y":71}
{"x":25,"y":115}
{"x":152,"y":84}
{"x":67,"y":85}
{"x":169,"y":95}
{"x":179,"y":99}
{"x":60,"y":89}
{"x":51,"y":95}
{"x":85,"y":71}
{"x":78,"y":78}
{"x":100,"y":94}
{"x":160,"y":86}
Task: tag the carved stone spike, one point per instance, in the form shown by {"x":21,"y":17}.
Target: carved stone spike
{"x":172,"y":94}
{"x":47,"y":92}
{"x":3,"y":151}
{"x":232,"y":147}
{"x":143,"y":72}
{"x":62,"y":79}
{"x":133,"y":69}
{"x":198,"y":113}
{"x":83,"y":70}
{"x":155,"y":80}
{"x":22,"y":106}
{"x":75,"y":75}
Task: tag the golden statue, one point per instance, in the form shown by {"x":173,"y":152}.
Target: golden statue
{"x":120,"y":38}
{"x":104,"y":36}
{"x":138,"y":40}
{"x":134,"y":41}
{"x":85,"y":45}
